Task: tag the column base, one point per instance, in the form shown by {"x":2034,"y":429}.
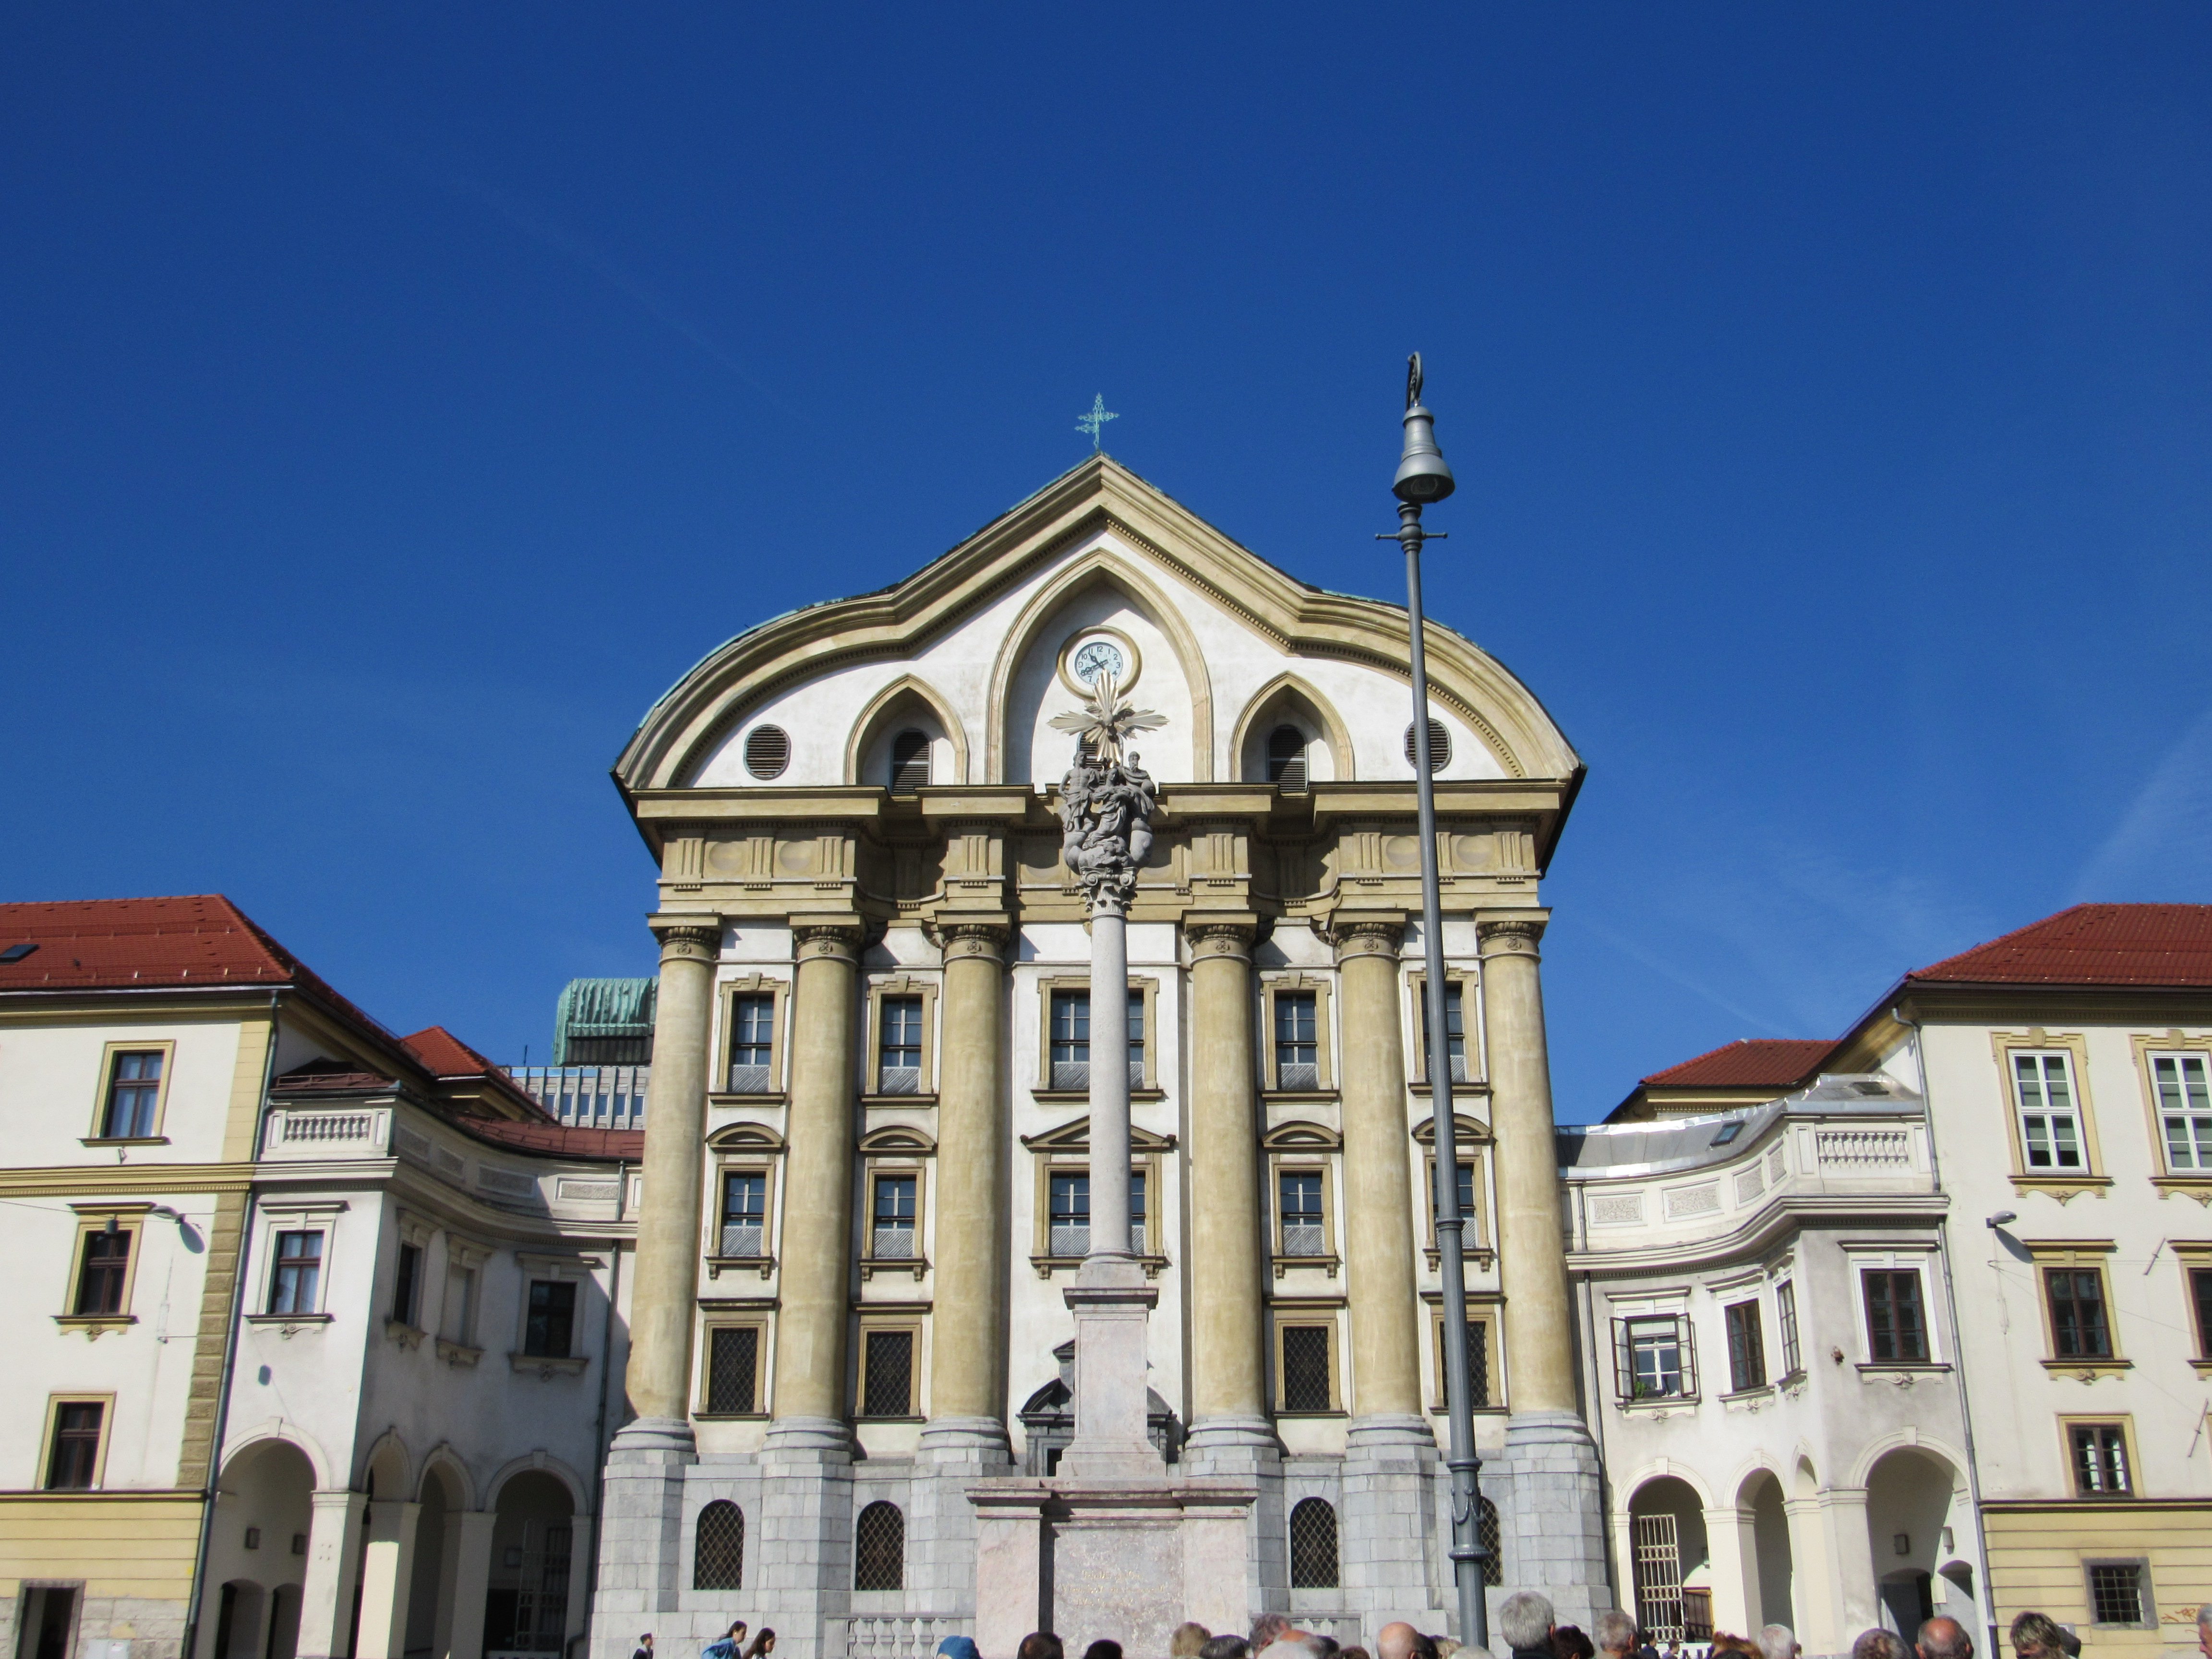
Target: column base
{"x":967,"y":1440}
{"x":1553,"y":1522}
{"x":808,"y":1440}
{"x":1383,"y":1433}
{"x":1231,"y":1445}
{"x":655,"y":1434}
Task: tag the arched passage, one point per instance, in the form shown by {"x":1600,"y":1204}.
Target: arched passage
{"x":1914,"y":1510}
{"x":257,"y":1553}
{"x":1671,"y":1564}
{"x":437,"y":1548}
{"x":1769,"y":1596}
{"x":526,"y":1598}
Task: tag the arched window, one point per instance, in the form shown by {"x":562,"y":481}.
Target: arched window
{"x":909,"y":762}
{"x":1313,"y":1544}
{"x":1486,"y":1529}
{"x":880,"y":1548}
{"x":1439,"y":745}
{"x":1286,"y":758}
{"x":719,"y":1562}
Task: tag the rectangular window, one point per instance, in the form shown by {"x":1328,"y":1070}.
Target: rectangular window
{"x":1478,"y":1365}
{"x":407,"y":1284}
{"x":100,"y":1282}
{"x":898,"y":1068}
{"x":1746,"y":1342}
{"x":2049,"y":1121}
{"x":1897,"y":1328}
{"x":2119,"y":1593}
{"x":887,"y":1374}
{"x":1137,"y":1240}
{"x":296,"y":1279}
{"x":1303,"y":1231}
{"x":1305,"y":1368}
{"x":552,"y":1319}
{"x":1071,"y":1213}
{"x":133,"y":1090}
{"x":1454,"y":1031}
{"x":1136,"y":1039}
{"x":74,"y":1459}
{"x":893,"y":1239}
{"x":2101,"y":1460}
{"x":733,"y":1368}
{"x":1655,"y":1359}
{"x":2185,"y":1111}
{"x":2200,"y":1292}
{"x":2079,"y":1328}
{"x":460,"y":1304}
{"x":1297,"y":1040}
{"x":1071,"y":1040}
{"x":1785,"y":1315}
{"x":745,"y":1213}
{"x":752,"y":1045}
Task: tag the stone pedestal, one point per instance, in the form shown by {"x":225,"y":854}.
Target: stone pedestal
{"x":1125,"y":1559}
{"x":1111,"y":1299}
{"x":640,"y":1535}
{"x":1555,"y":1517}
{"x":1386,"y":1531}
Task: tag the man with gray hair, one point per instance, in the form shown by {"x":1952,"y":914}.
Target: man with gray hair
{"x":1944,"y":1639}
{"x":1778,"y":1642}
{"x":2204,"y":1629}
{"x":1879,"y":1643}
{"x":1615,"y":1632}
{"x":1525,"y":1621}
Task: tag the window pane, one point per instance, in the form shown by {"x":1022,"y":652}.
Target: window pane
{"x":552,"y":1319}
{"x":2101,"y":1460}
{"x":1297,"y":1043}
{"x":752,"y":1049}
{"x":1070,"y":1039}
{"x":1303,"y":1231}
{"x":744,"y":1214}
{"x":895,"y":1218}
{"x":887,"y":1380}
{"x":75,"y":1454}
{"x":1655,"y":1355}
{"x":1070,"y":1217}
{"x":2200,"y":1286}
{"x":100,"y":1284}
{"x":405,"y":1283}
{"x":2079,"y":1329}
{"x":1747,"y":1347}
{"x":1137,"y":1240}
{"x":1785,"y":1308}
{"x":297,"y":1275}
{"x":132,"y":1095}
{"x":899,"y":1067}
{"x":1896,"y":1330}
{"x":1305,"y":1368}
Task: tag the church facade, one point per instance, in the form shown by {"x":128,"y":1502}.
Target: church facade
{"x":866,"y":1156}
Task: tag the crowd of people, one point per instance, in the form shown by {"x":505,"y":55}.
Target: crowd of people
{"x":1526,"y":1626}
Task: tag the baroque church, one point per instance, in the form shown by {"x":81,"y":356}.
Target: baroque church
{"x":866,"y":1161}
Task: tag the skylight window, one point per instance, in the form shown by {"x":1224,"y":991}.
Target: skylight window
{"x":1726,"y":1132}
{"x":17,"y":952}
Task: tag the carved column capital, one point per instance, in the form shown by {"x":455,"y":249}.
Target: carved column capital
{"x":836,"y":941}
{"x":1510,"y":935}
{"x":962,"y":941}
{"x":1219,"y":938}
{"x":691,"y":938}
{"x":1364,"y":934}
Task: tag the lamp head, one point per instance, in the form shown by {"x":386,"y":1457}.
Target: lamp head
{"x":2003,"y":1217}
{"x":1423,"y":477}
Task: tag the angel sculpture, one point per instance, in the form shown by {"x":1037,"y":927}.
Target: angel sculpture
{"x":1106,"y":802}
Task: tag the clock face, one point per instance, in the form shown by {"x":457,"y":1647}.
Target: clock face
{"x":1096,"y":658}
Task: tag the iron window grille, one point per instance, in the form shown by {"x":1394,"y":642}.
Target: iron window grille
{"x":744,"y":1215}
{"x":1286,"y":767}
{"x":1785,"y":1315}
{"x":1313,"y":1544}
{"x":74,"y":1459}
{"x":1454,"y":1031}
{"x":909,"y":762}
{"x":1747,"y":1343}
{"x":1303,"y":1231}
{"x":2101,"y":1460}
{"x":133,"y":1090}
{"x":2049,"y":1121}
{"x":1655,"y":1357}
{"x":2080,"y":1327}
{"x":898,"y":1064}
{"x":1297,"y":1040}
{"x":1306,"y":1368}
{"x":1492,"y":1538}
{"x":752,"y":1045}
{"x":297,"y":1277}
{"x":893,"y":1235}
{"x":1896,"y":1322}
{"x":718,"y":1557}
{"x":2184,"y":1108}
{"x":880,"y":1548}
{"x":550,"y":1331}
{"x":887,"y":1375}
{"x":1478,"y":1364}
{"x":733,"y":1369}
{"x":2119,"y":1593}
{"x":107,"y":1266}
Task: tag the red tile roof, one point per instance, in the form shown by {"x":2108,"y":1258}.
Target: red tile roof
{"x":559,"y":1139}
{"x":445,"y":1055}
{"x":1747,"y":1063}
{"x":2091,"y":945}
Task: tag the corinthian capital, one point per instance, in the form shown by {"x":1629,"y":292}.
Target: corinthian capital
{"x":1509,"y":936}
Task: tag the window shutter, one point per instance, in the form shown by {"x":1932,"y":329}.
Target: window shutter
{"x":768,"y":751}
{"x":1286,"y":758}
{"x":1439,"y":745}
{"x":909,"y":762}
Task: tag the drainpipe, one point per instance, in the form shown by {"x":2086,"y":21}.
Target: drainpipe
{"x":193,"y":1607}
{"x":599,"y":1427}
{"x":1983,"y":1593}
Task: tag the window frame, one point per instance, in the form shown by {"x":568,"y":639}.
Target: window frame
{"x":1862,"y":1260}
{"x":1488,"y":1312}
{"x":1290,"y":1317}
{"x":2069,"y":1423}
{"x":2008,"y":1046}
{"x":1066,"y":1151}
{"x":467,"y":1258}
{"x":727,"y":992}
{"x":1756,"y":1305}
{"x":1921,"y":1304}
{"x":896,"y":1149}
{"x":762,"y":1372}
{"x":1623,"y":1357}
{"x":49,"y":1441}
{"x":1146,"y":1085}
{"x":1301,"y":1149}
{"x":2194,"y":1257}
{"x":874,"y":1324}
{"x":1318,"y":986}
{"x":743,"y":1149}
{"x":1467,"y":978}
{"x":97,"y":1135}
{"x":1471,"y":1141}
{"x":2146,"y":1592}
{"x":2076,"y":1255}
{"x":2147,"y":1050}
{"x":91,"y":1219}
{"x":292,"y":1216}
{"x":1789,"y":1329}
{"x":538,"y":1267}
{"x":879,"y":992}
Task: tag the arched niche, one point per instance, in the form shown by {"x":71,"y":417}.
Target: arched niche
{"x":908,"y":704}
{"x":1289,"y":701}
{"x":1100,"y":590}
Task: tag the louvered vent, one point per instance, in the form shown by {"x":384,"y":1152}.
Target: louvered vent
{"x":1439,"y":745}
{"x":768,"y":751}
{"x":909,"y":762}
{"x":1286,"y":758}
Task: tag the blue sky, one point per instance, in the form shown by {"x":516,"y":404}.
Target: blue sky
{"x":396,"y":400}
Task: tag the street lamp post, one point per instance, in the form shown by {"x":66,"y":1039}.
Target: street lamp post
{"x":1423,"y":477}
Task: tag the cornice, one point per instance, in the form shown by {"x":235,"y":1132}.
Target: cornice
{"x":1760,"y":1232}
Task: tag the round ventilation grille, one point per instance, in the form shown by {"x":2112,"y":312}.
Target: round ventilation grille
{"x":768,"y":751}
{"x":1439,"y":745}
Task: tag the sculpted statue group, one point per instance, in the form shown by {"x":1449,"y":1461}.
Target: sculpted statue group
{"x":1105,"y":815}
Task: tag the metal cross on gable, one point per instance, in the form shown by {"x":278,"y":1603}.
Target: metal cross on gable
{"x":1094,"y":421}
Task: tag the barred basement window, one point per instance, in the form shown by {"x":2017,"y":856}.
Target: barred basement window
{"x":734,"y":1368}
{"x":1306,"y":1368}
{"x":1313,"y":1544}
{"x":887,"y":1375}
{"x":719,"y":1559}
{"x":768,"y":751}
{"x":909,"y":762}
{"x":2118,"y":1592}
{"x":880,"y":1548}
{"x":1286,"y":766}
{"x":1492,"y":1537}
{"x":1439,"y":745}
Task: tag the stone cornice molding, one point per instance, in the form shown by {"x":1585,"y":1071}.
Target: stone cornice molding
{"x":1510,"y":935}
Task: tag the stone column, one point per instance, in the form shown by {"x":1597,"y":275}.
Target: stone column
{"x":333,"y":1559}
{"x":664,"y":1296}
{"x":471,"y":1579}
{"x":1851,"y":1577}
{"x":1229,"y":1405}
{"x":1556,"y":1515}
{"x":1809,"y":1597}
{"x":1385,"y":1368}
{"x":387,"y":1577}
{"x":1732,"y":1549}
{"x":813,"y":1258}
{"x":968,"y":1350}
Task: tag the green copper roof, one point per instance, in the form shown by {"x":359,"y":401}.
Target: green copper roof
{"x":604,"y":1008}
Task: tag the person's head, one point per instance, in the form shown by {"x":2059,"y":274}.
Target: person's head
{"x":2204,"y":1629}
{"x":1614,"y":1631}
{"x":763,"y":1644}
{"x":646,"y":1640}
{"x":1188,"y":1641}
{"x":1879,"y":1643}
{"x":1568,"y":1641}
{"x":1226,"y":1647}
{"x":1104,"y":1648}
{"x":1944,"y":1639}
{"x":1267,"y":1627}
{"x":1355,"y":1651}
{"x":736,"y":1632}
{"x":1040,"y":1644}
{"x":1524,"y":1619}
{"x":1395,"y":1641}
{"x":1296,"y":1645}
{"x":958,"y":1647}
{"x":1445,"y":1647}
{"x":1777,"y":1641}
{"x":2036,"y":1636}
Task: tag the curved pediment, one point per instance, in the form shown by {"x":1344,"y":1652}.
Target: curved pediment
{"x":746,"y":1138}
{"x":1302,"y":1138}
{"x":971,"y":641}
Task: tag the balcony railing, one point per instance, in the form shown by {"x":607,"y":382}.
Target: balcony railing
{"x":588,"y":1097}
